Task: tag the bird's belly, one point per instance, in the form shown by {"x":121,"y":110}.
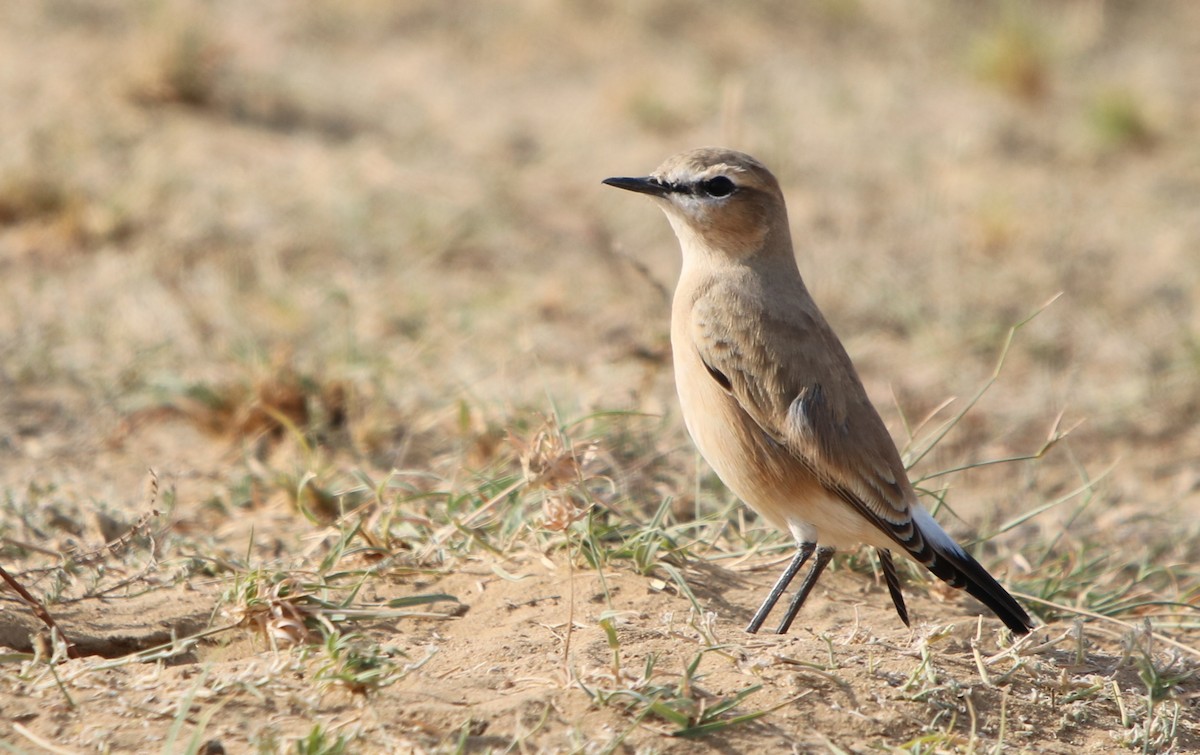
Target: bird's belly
{"x":764,"y":474}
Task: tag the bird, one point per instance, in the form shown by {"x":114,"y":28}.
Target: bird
{"x":771,"y":398}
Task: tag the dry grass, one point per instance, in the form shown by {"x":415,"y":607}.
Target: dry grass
{"x":344,"y":276}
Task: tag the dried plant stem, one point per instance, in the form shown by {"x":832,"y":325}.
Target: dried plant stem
{"x":40,"y":611}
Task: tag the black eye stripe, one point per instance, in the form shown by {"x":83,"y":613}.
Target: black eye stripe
{"x":715,"y":187}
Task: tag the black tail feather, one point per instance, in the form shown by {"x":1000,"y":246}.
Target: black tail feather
{"x":945,"y":558}
{"x":962,"y":571}
{"x":893,"y":583}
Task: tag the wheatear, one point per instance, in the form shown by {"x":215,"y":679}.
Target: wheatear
{"x":770,"y":396}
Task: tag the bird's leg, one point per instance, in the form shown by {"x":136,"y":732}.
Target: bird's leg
{"x":810,"y":581}
{"x":806,"y":550}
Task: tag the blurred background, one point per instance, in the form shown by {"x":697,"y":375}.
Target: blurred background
{"x":327,"y":267}
{"x":388,"y":217}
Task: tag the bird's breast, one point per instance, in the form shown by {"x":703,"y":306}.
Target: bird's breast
{"x":729,"y":440}
{"x":757,"y":468}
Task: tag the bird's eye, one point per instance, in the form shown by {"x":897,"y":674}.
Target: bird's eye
{"x":718,"y":186}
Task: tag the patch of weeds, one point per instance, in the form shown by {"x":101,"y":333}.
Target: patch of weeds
{"x":653,"y":549}
{"x":88,"y":548}
{"x":955,"y":722}
{"x":1083,"y":579}
{"x":282,"y":408}
{"x":289,"y":611}
{"x":562,"y":471}
{"x":648,"y":547}
{"x":320,"y":741}
{"x":932,"y":743}
{"x":277,"y":606}
{"x":591,"y":509}
{"x":555,"y":474}
{"x":184,"y":62}
{"x":61,"y":217}
{"x":1157,"y":728}
{"x":1117,"y":119}
{"x":1013,"y":54}
{"x":681,"y":703}
{"x":278,"y":401}
{"x":360,"y":666}
{"x":1080,"y":576}
{"x":190,"y":61}
{"x":29,"y":196}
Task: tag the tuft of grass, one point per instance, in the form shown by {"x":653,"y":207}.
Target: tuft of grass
{"x":359,"y":665}
{"x":184,"y":61}
{"x":28,"y":196}
{"x":1118,"y":121}
{"x":1013,"y":55}
{"x":277,"y":400}
{"x":679,"y":702}
{"x":59,"y":214}
{"x":291,"y":608}
{"x":320,"y":741}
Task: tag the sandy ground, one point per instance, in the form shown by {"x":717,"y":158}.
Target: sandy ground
{"x":327,"y":269}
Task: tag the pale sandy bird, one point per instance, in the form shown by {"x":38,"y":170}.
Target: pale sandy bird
{"x":770,"y":396}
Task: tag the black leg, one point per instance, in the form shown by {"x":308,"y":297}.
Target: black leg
{"x":893,"y":582}
{"x":806,"y":550}
{"x":810,"y":581}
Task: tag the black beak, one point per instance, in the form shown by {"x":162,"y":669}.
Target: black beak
{"x":645,"y":185}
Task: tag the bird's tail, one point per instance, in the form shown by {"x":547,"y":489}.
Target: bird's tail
{"x":954,"y":566}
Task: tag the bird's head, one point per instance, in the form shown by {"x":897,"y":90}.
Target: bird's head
{"x":719,"y":201}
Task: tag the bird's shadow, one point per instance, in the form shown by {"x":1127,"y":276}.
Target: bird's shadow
{"x":711,"y":584}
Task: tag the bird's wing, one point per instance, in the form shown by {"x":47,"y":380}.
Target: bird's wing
{"x":789,"y":373}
